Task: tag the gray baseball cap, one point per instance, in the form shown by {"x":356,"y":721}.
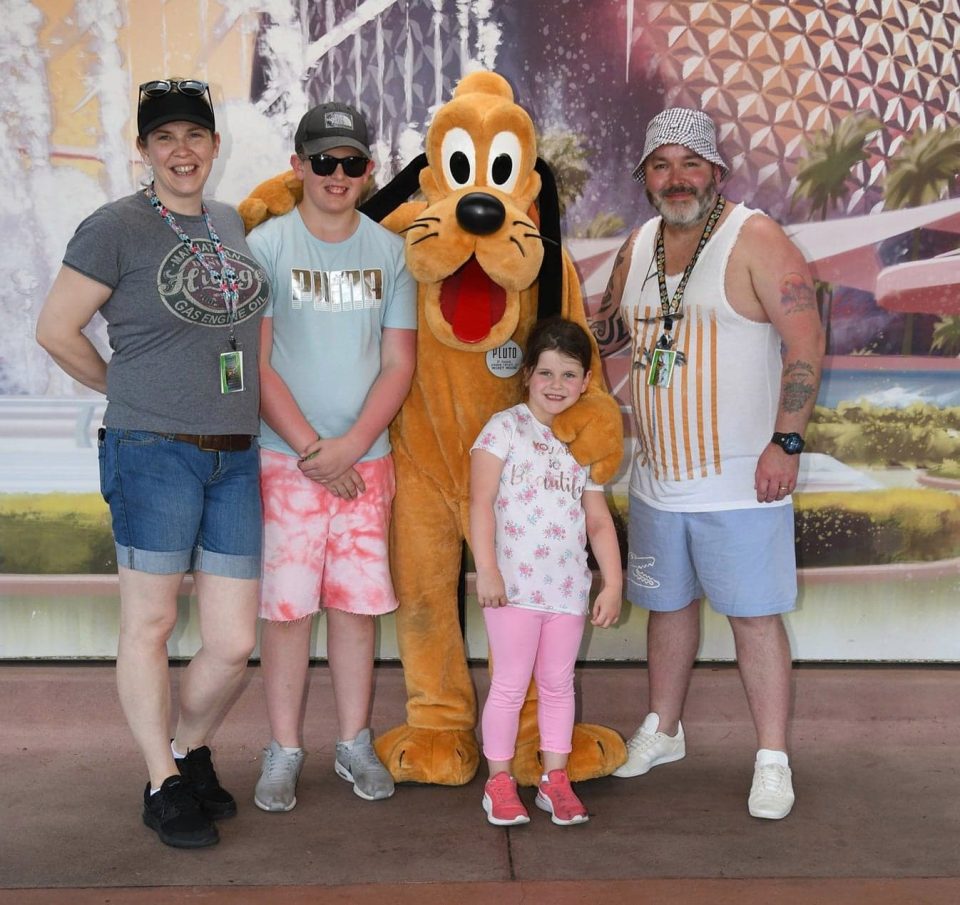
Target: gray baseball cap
{"x":682,"y":126}
{"x":332,"y":125}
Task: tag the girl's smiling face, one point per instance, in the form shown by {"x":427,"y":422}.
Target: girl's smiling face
{"x":555,"y":384}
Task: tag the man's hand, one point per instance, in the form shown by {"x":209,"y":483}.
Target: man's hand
{"x":776,"y":475}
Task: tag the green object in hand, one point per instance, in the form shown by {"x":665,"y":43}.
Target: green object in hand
{"x":307,"y":458}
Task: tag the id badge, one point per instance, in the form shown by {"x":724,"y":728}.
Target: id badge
{"x":231,"y":371}
{"x":662,"y":362}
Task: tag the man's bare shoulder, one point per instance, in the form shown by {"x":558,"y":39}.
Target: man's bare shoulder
{"x":763,"y":241}
{"x":762,"y":228}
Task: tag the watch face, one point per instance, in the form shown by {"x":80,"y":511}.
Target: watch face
{"x":790,"y":443}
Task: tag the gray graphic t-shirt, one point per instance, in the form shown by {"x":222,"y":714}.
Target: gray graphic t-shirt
{"x":167,"y":321}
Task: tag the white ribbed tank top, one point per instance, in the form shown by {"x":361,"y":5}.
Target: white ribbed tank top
{"x":699,"y":439}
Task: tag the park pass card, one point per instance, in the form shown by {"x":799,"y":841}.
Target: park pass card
{"x":662,"y":362}
{"x":231,"y":372}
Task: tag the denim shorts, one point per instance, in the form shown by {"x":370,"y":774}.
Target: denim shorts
{"x":178,"y":508}
{"x":743,"y":560}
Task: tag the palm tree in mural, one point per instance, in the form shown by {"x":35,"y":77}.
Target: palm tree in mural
{"x":567,"y":156}
{"x":604,"y":225}
{"x":946,"y":335}
{"x":822,"y":178}
{"x":922,"y":169}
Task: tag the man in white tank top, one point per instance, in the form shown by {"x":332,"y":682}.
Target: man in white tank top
{"x":720,"y":310}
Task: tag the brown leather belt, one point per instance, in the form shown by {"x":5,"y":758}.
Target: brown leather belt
{"x":217,"y":442}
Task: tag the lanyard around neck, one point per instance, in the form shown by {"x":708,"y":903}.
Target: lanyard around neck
{"x":671,"y":307}
{"x":226,"y":278}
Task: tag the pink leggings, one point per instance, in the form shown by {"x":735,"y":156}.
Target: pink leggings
{"x":525,"y":643}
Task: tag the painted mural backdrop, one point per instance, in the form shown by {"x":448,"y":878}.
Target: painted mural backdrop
{"x":840,"y":119}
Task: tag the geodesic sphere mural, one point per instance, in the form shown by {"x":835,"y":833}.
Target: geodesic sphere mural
{"x":772,"y":70}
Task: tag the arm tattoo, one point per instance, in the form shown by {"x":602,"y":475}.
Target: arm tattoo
{"x":799,"y":385}
{"x":796,"y":294}
{"x":608,"y":326}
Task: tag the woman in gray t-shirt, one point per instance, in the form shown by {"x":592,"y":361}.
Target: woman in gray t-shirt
{"x":173,"y":278}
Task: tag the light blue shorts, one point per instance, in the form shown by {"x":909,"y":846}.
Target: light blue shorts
{"x":743,"y":560}
{"x":177,"y":508}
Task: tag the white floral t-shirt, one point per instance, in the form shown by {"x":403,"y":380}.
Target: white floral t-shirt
{"x":541,"y":533}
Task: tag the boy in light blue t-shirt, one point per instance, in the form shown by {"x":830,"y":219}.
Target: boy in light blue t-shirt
{"x":338,"y":348}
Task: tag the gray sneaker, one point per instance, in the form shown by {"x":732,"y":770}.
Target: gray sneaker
{"x":277,"y":787}
{"x":358,"y":763}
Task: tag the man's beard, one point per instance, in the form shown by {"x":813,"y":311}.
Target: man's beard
{"x":683,"y":213}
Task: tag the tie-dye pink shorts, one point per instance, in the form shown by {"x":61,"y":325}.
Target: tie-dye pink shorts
{"x":319,"y":549}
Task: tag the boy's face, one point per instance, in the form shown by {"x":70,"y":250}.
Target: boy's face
{"x":336,"y":193}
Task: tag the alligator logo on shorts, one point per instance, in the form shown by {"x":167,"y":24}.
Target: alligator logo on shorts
{"x":637,"y":567}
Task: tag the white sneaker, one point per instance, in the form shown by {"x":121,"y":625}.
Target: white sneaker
{"x":277,"y":787}
{"x":648,"y":748}
{"x":771,"y":794}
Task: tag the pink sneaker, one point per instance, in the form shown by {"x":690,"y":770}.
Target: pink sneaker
{"x":556,"y":796}
{"x":502,"y":803}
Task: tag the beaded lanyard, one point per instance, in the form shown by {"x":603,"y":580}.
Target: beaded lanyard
{"x":227,"y":276}
{"x":671,"y":307}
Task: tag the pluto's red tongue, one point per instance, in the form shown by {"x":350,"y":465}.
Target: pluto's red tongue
{"x":471,"y":302}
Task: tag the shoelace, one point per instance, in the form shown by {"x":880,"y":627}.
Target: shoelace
{"x":363,"y":757}
{"x":199,"y":770}
{"x":279,"y":766}
{"x":178,"y":800}
{"x":641,"y":741}
{"x":562,"y":795}
{"x":772,"y":777}
{"x":502,"y":793}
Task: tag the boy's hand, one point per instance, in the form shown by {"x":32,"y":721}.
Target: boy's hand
{"x":326,"y":460}
{"x":349,"y":485}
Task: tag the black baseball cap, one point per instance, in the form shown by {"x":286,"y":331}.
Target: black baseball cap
{"x":331,"y":125}
{"x":171,"y":107}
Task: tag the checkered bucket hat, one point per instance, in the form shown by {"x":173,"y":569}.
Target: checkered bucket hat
{"x":682,"y":126}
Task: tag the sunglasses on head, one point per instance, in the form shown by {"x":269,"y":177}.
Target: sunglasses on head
{"x":160,"y":87}
{"x":326,"y":165}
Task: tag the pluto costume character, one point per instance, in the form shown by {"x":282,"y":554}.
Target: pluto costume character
{"x":475,"y":247}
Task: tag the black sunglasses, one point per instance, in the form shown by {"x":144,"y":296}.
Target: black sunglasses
{"x":326,"y":165}
{"x":189,"y":87}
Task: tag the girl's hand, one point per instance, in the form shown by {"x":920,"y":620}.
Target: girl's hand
{"x":490,"y":588}
{"x":606,"y":608}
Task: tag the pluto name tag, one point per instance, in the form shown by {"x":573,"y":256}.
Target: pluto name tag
{"x":505,"y":360}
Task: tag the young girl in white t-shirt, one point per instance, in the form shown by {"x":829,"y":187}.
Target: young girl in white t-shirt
{"x":532,"y":509}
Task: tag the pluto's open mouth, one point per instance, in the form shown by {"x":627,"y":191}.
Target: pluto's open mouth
{"x":471,"y":302}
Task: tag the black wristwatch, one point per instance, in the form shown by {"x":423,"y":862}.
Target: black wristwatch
{"x":791,"y":444}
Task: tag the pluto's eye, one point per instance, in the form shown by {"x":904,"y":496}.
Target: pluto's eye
{"x":505,"y":159}
{"x":459,"y":158}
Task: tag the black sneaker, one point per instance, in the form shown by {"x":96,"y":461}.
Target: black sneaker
{"x":197,"y":768}
{"x":175,"y":814}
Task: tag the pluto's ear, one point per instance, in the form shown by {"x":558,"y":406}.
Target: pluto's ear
{"x":550,"y":282}
{"x":397,"y":191}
